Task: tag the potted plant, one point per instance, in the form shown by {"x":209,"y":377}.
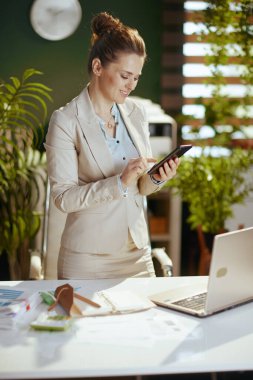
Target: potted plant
{"x":210,"y":186}
{"x":23,"y":111}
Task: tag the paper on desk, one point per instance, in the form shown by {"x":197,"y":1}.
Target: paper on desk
{"x":113,"y":301}
{"x":140,"y":330}
{"x":15,"y":303}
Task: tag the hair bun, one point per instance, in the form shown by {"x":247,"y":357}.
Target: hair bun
{"x":110,"y":37}
{"x":104,"y":23}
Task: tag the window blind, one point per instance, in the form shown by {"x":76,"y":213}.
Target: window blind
{"x":184,"y":70}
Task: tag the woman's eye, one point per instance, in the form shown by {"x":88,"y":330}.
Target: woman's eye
{"x":125,"y":77}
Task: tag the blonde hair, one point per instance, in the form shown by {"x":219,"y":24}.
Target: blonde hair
{"x":110,"y":37}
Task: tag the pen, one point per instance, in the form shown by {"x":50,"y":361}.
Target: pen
{"x":87,"y":300}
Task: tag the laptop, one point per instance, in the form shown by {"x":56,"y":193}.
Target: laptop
{"x":230,"y":280}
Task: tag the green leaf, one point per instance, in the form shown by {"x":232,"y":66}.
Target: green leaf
{"x":29,"y":73}
{"x":38,"y":90}
{"x":36,"y":97}
{"x":15,"y":81}
{"x":10,"y":88}
{"x":40,"y":85}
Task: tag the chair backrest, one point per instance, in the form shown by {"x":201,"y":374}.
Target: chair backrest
{"x":54,"y":225}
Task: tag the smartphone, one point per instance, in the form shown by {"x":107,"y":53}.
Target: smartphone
{"x":178,"y":152}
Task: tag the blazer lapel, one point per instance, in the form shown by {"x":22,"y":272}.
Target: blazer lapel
{"x":130,"y":122}
{"x":93,"y":134}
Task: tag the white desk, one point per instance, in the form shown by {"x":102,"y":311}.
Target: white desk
{"x":223,"y":342}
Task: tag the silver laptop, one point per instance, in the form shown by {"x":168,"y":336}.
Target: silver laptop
{"x":230,"y":281}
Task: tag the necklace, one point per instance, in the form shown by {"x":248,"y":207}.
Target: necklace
{"x":111,"y":122}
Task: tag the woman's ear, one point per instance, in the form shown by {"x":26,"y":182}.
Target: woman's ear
{"x":96,"y":67}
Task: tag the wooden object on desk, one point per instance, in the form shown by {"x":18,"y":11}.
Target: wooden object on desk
{"x":65,"y":297}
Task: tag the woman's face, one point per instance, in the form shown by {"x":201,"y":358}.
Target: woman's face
{"x":118,"y":79}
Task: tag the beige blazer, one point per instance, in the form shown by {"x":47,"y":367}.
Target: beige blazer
{"x":83,"y":178}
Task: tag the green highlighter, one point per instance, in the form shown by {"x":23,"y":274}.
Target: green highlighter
{"x":50,"y":321}
{"x":48,"y":297}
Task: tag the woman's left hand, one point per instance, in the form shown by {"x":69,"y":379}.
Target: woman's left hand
{"x":167,"y":171}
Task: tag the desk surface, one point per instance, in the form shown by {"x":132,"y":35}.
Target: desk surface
{"x":157,"y":341}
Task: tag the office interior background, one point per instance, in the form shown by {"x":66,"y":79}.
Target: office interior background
{"x":173,"y":80}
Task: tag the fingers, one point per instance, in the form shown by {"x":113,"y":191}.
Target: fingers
{"x":138,"y":165}
{"x":168,"y":170}
{"x":151,"y":160}
{"x":135,"y":168}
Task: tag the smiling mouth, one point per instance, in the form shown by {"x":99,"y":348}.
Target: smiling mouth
{"x":124,"y":93}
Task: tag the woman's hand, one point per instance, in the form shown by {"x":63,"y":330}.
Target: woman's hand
{"x":167,"y":171}
{"x":134,"y":169}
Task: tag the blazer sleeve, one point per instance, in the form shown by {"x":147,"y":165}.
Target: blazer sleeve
{"x":69,"y":192}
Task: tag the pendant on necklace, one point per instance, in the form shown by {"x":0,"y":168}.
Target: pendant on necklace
{"x":109,"y":125}
{"x":111,"y":122}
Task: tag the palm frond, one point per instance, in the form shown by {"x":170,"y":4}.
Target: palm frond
{"x":23,"y":111}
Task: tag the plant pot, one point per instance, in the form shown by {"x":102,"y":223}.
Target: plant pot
{"x":4,"y":267}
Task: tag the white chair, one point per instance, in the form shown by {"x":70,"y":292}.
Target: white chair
{"x":164,"y":261}
{"x":53,"y":231}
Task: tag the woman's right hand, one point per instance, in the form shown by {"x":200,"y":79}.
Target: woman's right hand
{"x":135,"y":168}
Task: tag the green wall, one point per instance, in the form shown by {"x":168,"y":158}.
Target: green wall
{"x":64,"y":62}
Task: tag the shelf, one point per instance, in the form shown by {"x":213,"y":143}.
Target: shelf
{"x":160,"y":237}
{"x":162,"y":194}
{"x":164,"y":206}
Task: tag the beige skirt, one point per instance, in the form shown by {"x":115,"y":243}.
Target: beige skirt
{"x":129,"y":262}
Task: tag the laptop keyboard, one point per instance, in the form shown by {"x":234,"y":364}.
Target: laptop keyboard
{"x":196,"y":302}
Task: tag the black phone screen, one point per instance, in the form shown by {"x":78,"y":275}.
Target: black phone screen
{"x":178,"y":152}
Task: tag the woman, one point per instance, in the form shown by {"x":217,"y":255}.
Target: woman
{"x":98,"y":151}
